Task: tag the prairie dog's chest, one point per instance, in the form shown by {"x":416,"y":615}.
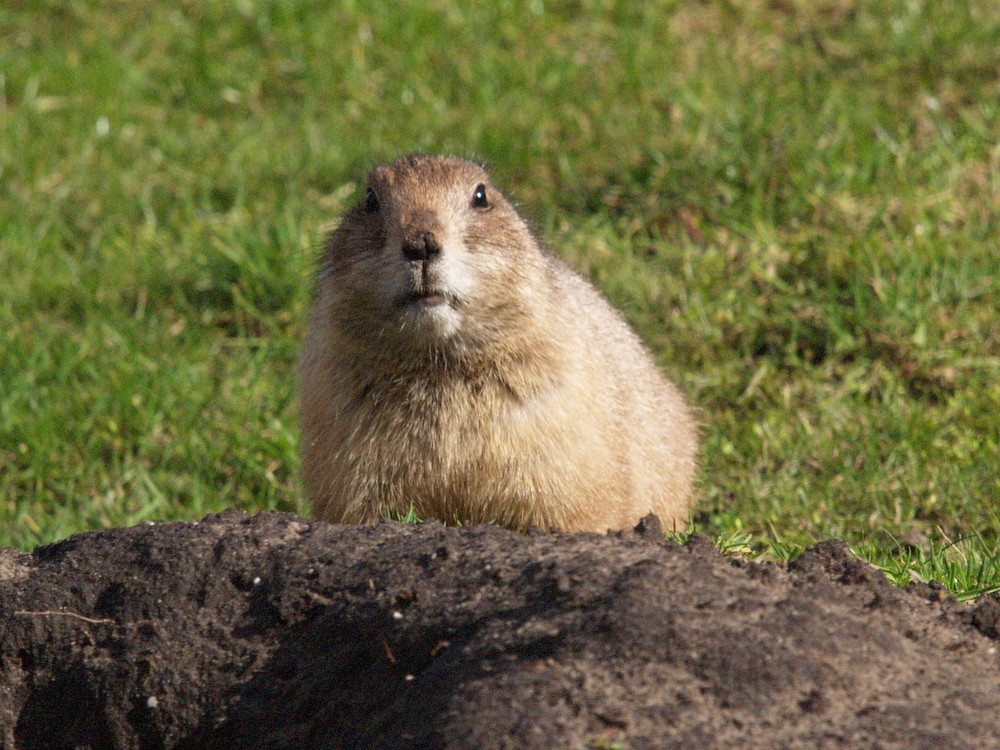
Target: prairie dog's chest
{"x":423,"y":418}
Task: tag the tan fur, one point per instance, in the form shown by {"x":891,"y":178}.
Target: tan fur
{"x":523,"y":400}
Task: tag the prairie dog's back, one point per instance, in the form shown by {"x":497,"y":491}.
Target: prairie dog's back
{"x":454,"y":368}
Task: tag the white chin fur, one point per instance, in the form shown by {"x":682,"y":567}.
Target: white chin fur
{"x":432,"y":324}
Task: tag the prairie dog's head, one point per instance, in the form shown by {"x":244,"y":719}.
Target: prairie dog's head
{"x":432,"y":255}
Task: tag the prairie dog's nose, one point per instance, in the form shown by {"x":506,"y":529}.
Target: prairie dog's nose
{"x":421,"y":246}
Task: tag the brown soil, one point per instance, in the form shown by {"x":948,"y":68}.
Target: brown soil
{"x":274,"y":632}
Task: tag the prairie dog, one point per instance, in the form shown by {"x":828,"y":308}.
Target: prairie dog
{"x":455,"y":367}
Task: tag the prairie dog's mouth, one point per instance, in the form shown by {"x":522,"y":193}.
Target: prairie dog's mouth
{"x":426,"y":298}
{"x":430,"y":315}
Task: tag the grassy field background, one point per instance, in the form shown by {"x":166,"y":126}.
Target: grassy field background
{"x":796,"y":203}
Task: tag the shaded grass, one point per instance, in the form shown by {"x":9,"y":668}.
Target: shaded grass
{"x":796,"y":204}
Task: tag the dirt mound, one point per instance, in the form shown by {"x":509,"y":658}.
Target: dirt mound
{"x":274,"y":632}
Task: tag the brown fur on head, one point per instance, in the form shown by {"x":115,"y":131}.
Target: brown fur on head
{"x":430,"y":258}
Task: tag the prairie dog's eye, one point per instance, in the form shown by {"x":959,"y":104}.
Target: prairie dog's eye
{"x":479,"y":199}
{"x":371,"y":201}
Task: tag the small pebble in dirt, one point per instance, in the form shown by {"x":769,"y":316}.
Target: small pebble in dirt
{"x":650,"y":525}
{"x":815,"y":702}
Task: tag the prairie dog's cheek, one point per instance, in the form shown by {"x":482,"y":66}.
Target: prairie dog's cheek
{"x":454,"y":268}
{"x":378,"y":281}
{"x":488,"y":262}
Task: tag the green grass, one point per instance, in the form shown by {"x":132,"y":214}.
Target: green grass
{"x":797,"y":204}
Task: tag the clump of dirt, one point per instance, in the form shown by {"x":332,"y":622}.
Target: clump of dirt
{"x":275,"y":632}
